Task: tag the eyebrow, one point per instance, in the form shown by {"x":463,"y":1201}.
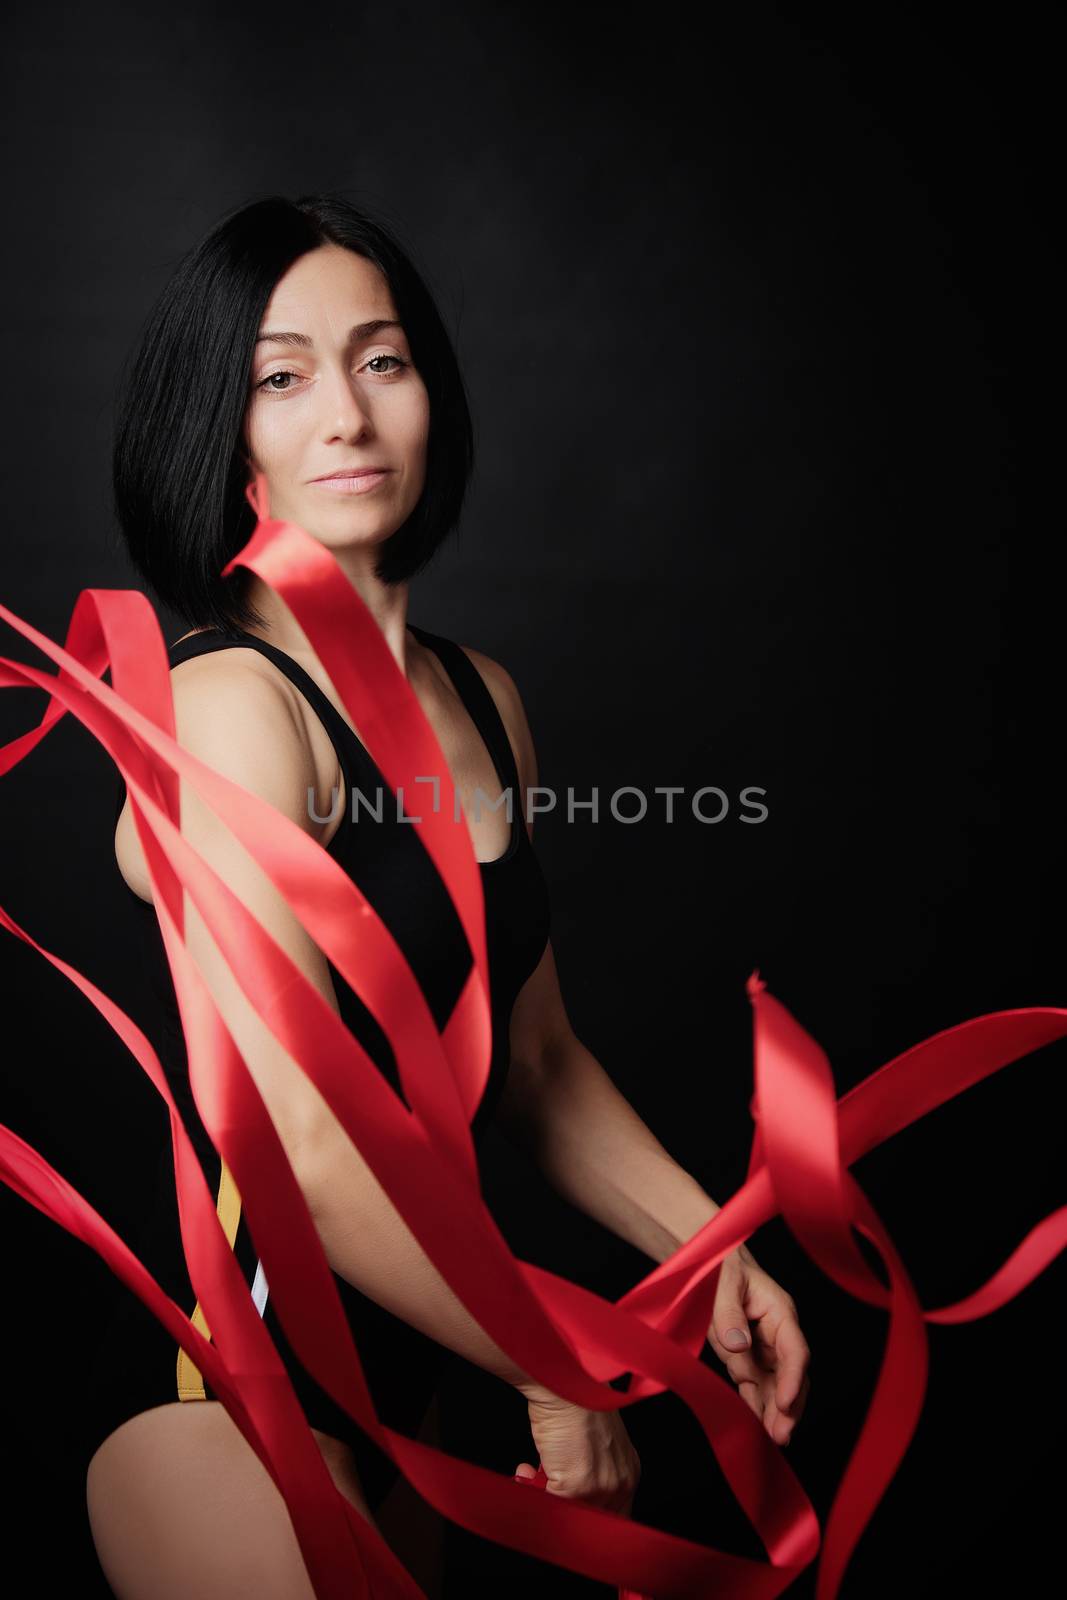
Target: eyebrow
{"x":362,"y":330}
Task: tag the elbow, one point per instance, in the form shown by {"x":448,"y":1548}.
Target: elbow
{"x":524,"y":1109}
{"x":312,"y":1153}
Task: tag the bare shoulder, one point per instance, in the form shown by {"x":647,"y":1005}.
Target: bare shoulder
{"x":211,"y":691}
{"x":238,"y":714}
{"x":504,"y":690}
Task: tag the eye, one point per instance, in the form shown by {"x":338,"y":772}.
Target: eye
{"x":284,"y":373}
{"x":267,"y":384}
{"x":400,"y":364}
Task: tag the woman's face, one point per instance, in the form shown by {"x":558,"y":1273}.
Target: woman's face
{"x":342,"y":395}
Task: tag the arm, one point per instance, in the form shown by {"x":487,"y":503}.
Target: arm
{"x":238,"y":719}
{"x":558,"y":1103}
{"x":561,"y":1107}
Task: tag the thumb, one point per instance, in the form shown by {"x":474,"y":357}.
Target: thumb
{"x":524,"y":1470}
{"x":731,"y":1327}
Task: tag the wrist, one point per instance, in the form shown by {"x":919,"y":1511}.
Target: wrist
{"x":532,"y":1392}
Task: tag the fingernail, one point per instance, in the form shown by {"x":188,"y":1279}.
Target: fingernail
{"x":735,"y":1339}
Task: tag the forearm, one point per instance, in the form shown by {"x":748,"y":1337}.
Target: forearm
{"x":594,"y":1149}
{"x":368,"y":1243}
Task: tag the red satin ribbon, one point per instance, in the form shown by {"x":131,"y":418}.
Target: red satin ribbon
{"x":567,"y":1338}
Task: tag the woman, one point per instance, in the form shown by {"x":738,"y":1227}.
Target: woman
{"x":297,"y":341}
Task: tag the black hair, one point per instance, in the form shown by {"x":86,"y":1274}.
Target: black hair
{"x":180,"y":469}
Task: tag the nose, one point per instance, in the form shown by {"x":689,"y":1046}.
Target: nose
{"x":343,"y":410}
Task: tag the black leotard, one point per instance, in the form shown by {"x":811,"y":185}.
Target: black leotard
{"x":138,"y":1365}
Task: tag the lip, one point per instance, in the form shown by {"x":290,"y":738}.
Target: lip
{"x":361,"y":480}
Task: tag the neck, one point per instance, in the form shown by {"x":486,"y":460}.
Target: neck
{"x":387,"y":604}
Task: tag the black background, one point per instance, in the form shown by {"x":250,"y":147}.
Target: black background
{"x":760,"y":332}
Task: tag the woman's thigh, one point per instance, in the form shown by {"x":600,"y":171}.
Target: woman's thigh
{"x":180,"y":1504}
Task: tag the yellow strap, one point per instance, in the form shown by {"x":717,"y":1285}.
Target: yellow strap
{"x":228,"y":1206}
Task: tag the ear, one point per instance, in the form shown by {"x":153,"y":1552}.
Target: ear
{"x":258,"y":496}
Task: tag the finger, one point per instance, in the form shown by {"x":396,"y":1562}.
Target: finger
{"x":752,"y":1395}
{"x":783,"y":1423}
{"x":743,"y":1366}
{"x":745,"y":1369}
{"x":793,"y":1360}
{"x":731,"y":1326}
{"x":796,"y":1410}
{"x":778,"y":1425}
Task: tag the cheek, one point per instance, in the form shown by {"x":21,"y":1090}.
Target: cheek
{"x":271,"y":437}
{"x":415,"y":420}
{"x":257,"y":432}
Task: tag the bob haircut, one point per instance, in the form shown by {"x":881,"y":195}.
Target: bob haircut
{"x":180,"y":468}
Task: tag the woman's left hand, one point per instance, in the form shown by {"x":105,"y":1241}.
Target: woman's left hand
{"x":770,"y":1362}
